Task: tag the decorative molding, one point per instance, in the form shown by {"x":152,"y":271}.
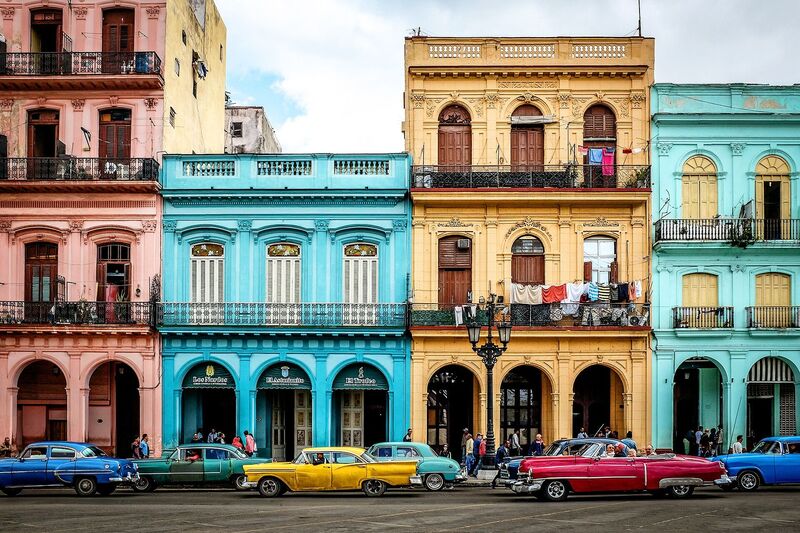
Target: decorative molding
{"x":491,"y":100}
{"x":600,"y":222}
{"x":599,"y":358}
{"x":527,"y":85}
{"x":321,"y":225}
{"x":417,"y":100}
{"x":8,"y":13}
{"x":637,"y":99}
{"x":577,"y":106}
{"x":78,"y":103}
{"x":41,"y":100}
{"x":151,"y":103}
{"x":399,"y":225}
{"x":663,"y":148}
{"x":149,"y":225}
{"x":477,"y":105}
{"x":623,"y":104}
{"x":80,"y":12}
{"x":113,"y":100}
{"x":244,"y":225}
{"x":737,"y":148}
{"x":528,"y":223}
{"x":153,"y":11}
{"x":6,"y":104}
{"x":430,"y":105}
{"x":169,"y":225}
{"x":454,"y":223}
{"x":665,"y":268}
{"x":563,"y":100}
{"x":738,"y":267}
{"x":75,"y":225}
{"x":637,"y":222}
{"x":5,"y":226}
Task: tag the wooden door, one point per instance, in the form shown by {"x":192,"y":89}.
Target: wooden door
{"x":42,"y":133}
{"x":527,"y":269}
{"x":455,"y":137}
{"x":774,"y":296}
{"x":352,"y":409}
{"x":115,"y":134}
{"x":527,"y":147}
{"x":302,"y":420}
{"x":278,"y":427}
{"x":41,"y":279}
{"x":699,"y":189}
{"x":118,"y":35}
{"x":455,"y":269}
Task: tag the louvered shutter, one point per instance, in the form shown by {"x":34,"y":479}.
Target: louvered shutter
{"x":587,"y":271}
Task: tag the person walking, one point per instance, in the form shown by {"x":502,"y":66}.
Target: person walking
{"x":705,"y":442}
{"x":628,"y":440}
{"x":537,"y":447}
{"x":697,"y":436}
{"x":198,"y":436}
{"x":6,"y":448}
{"x":212,"y":435}
{"x":136,"y":450}
{"x":407,"y":437}
{"x":469,"y":459}
{"x":476,"y":453}
{"x":144,"y":446}
{"x":500,"y":457}
{"x":516,"y":447}
{"x":738,"y":447}
{"x":249,"y":444}
{"x":446,"y":452}
{"x":582,"y":434}
{"x":481,"y":456}
{"x":221,"y":438}
{"x":237,"y":442}
{"x":464,"y":448}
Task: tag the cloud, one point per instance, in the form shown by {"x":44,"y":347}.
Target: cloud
{"x":340,"y":62}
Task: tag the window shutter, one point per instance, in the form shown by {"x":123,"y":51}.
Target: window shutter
{"x":614,"y":272}
{"x":587,"y":271}
{"x":101,"y":282}
{"x":220,"y":280}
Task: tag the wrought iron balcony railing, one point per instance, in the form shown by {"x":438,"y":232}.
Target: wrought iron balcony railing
{"x":282,"y":315}
{"x":545,"y":315}
{"x":78,"y":169}
{"x":75,"y":313}
{"x":702,"y":317}
{"x":530,"y":176}
{"x":773,"y":316}
{"x":728,"y":229}
{"x":78,"y":63}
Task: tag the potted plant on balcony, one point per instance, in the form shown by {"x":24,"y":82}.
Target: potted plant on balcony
{"x":122,"y":308}
{"x":741,"y":235}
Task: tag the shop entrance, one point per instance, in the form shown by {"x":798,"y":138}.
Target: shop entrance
{"x":41,"y":404}
{"x":521,"y":394}
{"x":771,"y":395}
{"x":283,"y":411}
{"x":208,"y":402}
{"x":450,"y":408}
{"x":597,"y":401}
{"x":360,"y":402}
{"x":697,"y":401}
{"x":114,"y":408}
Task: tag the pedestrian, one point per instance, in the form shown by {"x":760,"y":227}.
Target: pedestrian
{"x":582,"y":434}
{"x":686,"y":445}
{"x":476,"y":454}
{"x":5,"y":448}
{"x":136,"y":449}
{"x":516,"y":447}
{"x":212,"y":436}
{"x":198,"y":436}
{"x":221,"y":438}
{"x":407,"y":437}
{"x":628,"y":440}
{"x":705,"y":443}
{"x":500,"y":457}
{"x":537,"y":447}
{"x":469,"y":459}
{"x":481,"y":456}
{"x":697,"y":436}
{"x":144,"y":446}
{"x":446,"y":452}
{"x":607,"y":432}
{"x":464,"y":434}
{"x":237,"y":442}
{"x":249,"y":444}
{"x":738,"y":447}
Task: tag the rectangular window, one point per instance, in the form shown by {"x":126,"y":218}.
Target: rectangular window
{"x":220,"y":53}
{"x":172,"y":116}
{"x":177,"y":67}
{"x":236,"y":129}
{"x":194,"y":87}
{"x":601,"y":253}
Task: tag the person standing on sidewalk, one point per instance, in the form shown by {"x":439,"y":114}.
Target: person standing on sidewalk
{"x":476,"y":453}
{"x":481,"y":455}
{"x":144,"y":446}
{"x":249,"y":444}
{"x":464,"y":448}
{"x":537,"y":448}
{"x":500,"y":457}
{"x":515,"y":449}
{"x":469,"y":459}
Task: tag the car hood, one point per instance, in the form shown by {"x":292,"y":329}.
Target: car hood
{"x":736,"y":456}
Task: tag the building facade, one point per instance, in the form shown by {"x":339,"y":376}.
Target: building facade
{"x":726,"y":266}
{"x":248,"y":131}
{"x":284,"y":308}
{"x":510,"y":197}
{"x":84,"y":116}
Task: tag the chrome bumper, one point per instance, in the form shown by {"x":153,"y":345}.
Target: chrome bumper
{"x":725,"y":480}
{"x":416,"y":481}
{"x":461,"y":476}
{"x":527,"y":487}
{"x":130,"y":478}
{"x":250,"y":484}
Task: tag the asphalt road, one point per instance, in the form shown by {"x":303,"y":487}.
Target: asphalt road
{"x":773,"y":509}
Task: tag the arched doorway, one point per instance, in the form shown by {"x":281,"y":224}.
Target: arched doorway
{"x":598,"y":401}
{"x":41,"y":404}
{"x":451,"y":398}
{"x":697,"y":401}
{"x":360,"y":405}
{"x":522,"y":394}
{"x":283,"y":410}
{"x":771,"y":407}
{"x":455,"y":136}
{"x":114,"y":408}
{"x":773,"y":198}
{"x":527,"y":139}
{"x":208,"y":401}
{"x":600,"y":138}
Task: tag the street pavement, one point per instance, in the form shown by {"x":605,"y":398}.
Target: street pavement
{"x":473,"y":508}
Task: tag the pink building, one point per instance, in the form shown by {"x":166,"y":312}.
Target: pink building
{"x":87,"y":108}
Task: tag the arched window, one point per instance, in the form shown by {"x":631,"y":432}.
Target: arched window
{"x":773,"y":198}
{"x":600,"y":259}
{"x":527,"y":261}
{"x":600,"y":138}
{"x":773,"y":301}
{"x":360,"y":272}
{"x":699,"y":188}
{"x":207,"y":273}
{"x":527,"y":137}
{"x":700,"y":290}
{"x":455,"y":136}
{"x":283,"y":273}
{"x":113,"y":272}
{"x":455,"y":269}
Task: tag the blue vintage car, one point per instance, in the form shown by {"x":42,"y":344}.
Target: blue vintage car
{"x":436,"y":471}
{"x":773,"y":461}
{"x":84,"y":467}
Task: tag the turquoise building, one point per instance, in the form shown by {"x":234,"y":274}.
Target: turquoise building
{"x":726,"y":260}
{"x":285,"y":280}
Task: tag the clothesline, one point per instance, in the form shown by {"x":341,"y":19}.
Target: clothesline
{"x":575,"y":293}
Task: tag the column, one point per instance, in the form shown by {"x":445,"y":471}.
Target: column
{"x":398,"y":399}
{"x":245,"y":414}
{"x":419,"y":395}
{"x":321,"y":405}
{"x":8,"y":408}
{"x":170,"y":402}
{"x":77,"y":401}
{"x":737,"y":406}
{"x":663,"y":376}
{"x":320,"y":276}
{"x":245,"y":291}
{"x":563,"y":410}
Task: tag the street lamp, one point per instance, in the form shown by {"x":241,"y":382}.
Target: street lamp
{"x":489,"y":352}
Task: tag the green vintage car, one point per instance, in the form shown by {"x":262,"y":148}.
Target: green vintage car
{"x":437,"y":472}
{"x":195,"y":464}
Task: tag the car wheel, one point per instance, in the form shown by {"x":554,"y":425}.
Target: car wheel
{"x":85,"y":486}
{"x":680,"y":491}
{"x":434,"y":482}
{"x":555,"y":491}
{"x":11,"y":492}
{"x":105,"y":490}
{"x":269,"y":487}
{"x":239,"y":482}
{"x":373,"y":487}
{"x":748,"y":480}
{"x":144,"y":484}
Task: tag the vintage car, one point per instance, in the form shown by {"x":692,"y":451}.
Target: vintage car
{"x":508,"y":470}
{"x":553,"y":478}
{"x":195,"y":464}
{"x":436,"y":472}
{"x":773,"y":461}
{"x":329,"y":469}
{"x":84,"y":467}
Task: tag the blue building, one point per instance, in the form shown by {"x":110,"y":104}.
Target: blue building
{"x":726,"y":261}
{"x":285,"y":282}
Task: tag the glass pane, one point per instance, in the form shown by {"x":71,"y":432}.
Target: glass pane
{"x":606,"y":247}
{"x":208,"y":250}
{"x":283,"y":249}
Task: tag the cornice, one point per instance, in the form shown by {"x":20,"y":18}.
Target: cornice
{"x":282,"y":200}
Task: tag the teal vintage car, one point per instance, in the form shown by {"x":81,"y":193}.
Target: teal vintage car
{"x":436,"y":472}
{"x":195,"y":464}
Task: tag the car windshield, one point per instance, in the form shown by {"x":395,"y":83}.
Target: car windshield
{"x":367,"y":458}
{"x":767,"y":446}
{"x":238,"y":454}
{"x":554,"y":448}
{"x":300,"y":459}
{"x":93,"y":451}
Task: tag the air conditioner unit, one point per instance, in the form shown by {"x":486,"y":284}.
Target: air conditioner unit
{"x":463,"y":244}
{"x":638,"y":320}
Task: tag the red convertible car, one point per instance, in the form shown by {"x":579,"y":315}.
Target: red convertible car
{"x":553,"y":478}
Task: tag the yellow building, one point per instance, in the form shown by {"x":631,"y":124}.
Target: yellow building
{"x":505,"y":134}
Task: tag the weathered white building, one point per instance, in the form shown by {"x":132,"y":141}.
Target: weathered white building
{"x":248,"y":131}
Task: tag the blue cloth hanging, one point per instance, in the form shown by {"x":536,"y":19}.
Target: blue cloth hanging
{"x":595,"y":156}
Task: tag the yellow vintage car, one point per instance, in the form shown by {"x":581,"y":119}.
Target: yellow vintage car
{"x":334,"y":468}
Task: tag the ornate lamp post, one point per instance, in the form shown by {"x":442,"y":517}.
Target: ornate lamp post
{"x":489,"y":352}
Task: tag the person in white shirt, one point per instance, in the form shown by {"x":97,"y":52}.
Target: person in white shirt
{"x":737,"y":446}
{"x":582,"y":434}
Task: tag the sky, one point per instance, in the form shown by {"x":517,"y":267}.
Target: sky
{"x":330,"y":72}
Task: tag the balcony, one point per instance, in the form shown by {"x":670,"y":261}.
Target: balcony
{"x":617,"y":315}
{"x":45,"y":71}
{"x":79,"y":313}
{"x":60,"y":174}
{"x":773,"y":316}
{"x":278,"y":315}
{"x":727,"y":229}
{"x":702,"y":317}
{"x":530,"y":177}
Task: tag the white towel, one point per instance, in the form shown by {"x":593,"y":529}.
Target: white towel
{"x":458,"y":315}
{"x":570,"y":304}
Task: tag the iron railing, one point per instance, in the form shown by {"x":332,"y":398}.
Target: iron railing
{"x":727,"y":229}
{"x":75,"y":313}
{"x":544,"y":315}
{"x":78,"y":63}
{"x":702,"y":317}
{"x":78,"y":169}
{"x":530,"y":176}
{"x":282,"y":314}
{"x":773,"y":316}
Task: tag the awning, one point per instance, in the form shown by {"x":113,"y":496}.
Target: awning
{"x":209,"y":376}
{"x":360,"y":377}
{"x":284,"y":376}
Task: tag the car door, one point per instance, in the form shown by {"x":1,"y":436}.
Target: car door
{"x":216,"y":466}
{"x":616,"y":474}
{"x":312,"y":476}
{"x":347,"y":471}
{"x":184,"y":469}
{"x":788,"y":463}
{"x":60,"y":465}
{"x":381,"y":453}
{"x":31,"y":468}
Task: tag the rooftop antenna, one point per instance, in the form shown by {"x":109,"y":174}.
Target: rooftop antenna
{"x":639,"y":4}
